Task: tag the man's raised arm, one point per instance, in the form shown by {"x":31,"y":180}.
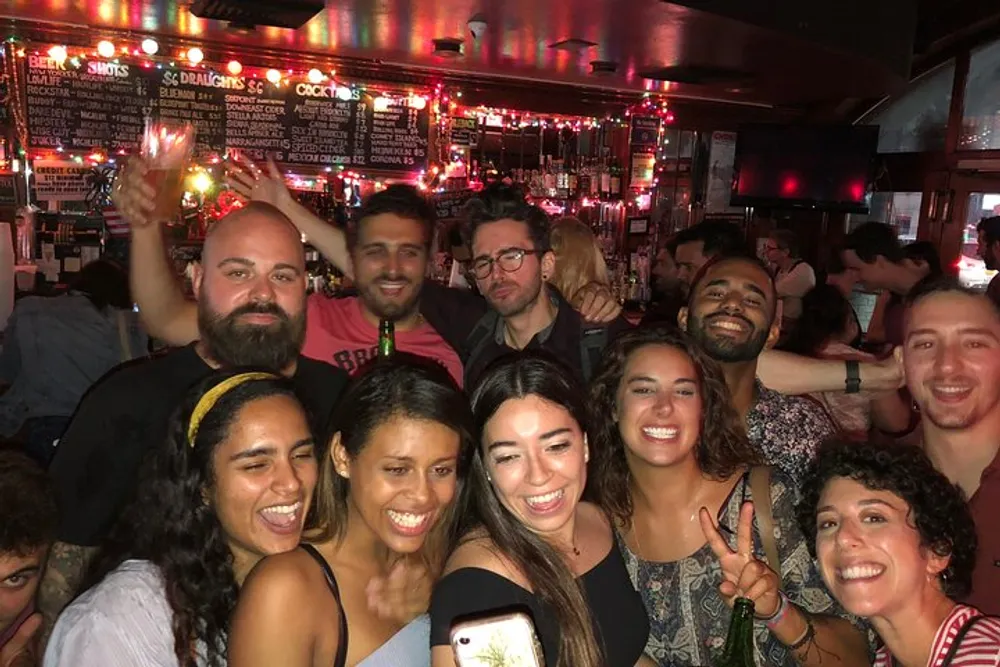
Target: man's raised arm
{"x":165,"y":311}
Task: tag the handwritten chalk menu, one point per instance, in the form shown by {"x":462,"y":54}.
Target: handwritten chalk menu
{"x":103,"y":105}
{"x":99,"y":104}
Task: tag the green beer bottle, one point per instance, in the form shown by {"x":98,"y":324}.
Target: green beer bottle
{"x":739,"y":651}
{"x":386,"y":339}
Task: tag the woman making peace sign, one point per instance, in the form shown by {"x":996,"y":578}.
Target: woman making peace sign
{"x":672,"y":466}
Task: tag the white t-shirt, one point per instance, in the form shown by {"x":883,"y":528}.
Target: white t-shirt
{"x":792,"y":286}
{"x":124,"y":621}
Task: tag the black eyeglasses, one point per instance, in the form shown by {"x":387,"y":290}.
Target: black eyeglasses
{"x":509,"y":260}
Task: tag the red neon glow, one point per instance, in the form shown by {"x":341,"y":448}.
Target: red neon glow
{"x":789,"y":185}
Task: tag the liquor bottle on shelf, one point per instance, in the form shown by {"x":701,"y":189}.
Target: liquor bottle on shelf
{"x":386,"y":339}
{"x":549,"y":178}
{"x":739,"y":651}
{"x":605,"y":180}
{"x":616,"y":180}
{"x":573,"y":181}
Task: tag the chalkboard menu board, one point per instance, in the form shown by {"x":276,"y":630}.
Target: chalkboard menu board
{"x":103,"y":105}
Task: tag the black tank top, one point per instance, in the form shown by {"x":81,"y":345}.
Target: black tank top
{"x":331,"y":581}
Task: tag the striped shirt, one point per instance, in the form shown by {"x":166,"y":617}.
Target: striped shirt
{"x":979,"y":648}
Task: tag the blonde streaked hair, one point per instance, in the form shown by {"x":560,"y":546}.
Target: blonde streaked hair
{"x":579,"y":260}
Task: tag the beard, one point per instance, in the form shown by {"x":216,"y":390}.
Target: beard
{"x":386,"y":309}
{"x":230,"y":343}
{"x":520,"y":302}
{"x":725,"y":350}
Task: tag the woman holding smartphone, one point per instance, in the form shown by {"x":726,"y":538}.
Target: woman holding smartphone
{"x":529,"y":542}
{"x":384,"y":503}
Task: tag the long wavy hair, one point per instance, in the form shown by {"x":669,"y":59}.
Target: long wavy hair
{"x":513,"y":377}
{"x":403,"y":386}
{"x":579,"y":260}
{"x":722,"y":449}
{"x":172,"y":525}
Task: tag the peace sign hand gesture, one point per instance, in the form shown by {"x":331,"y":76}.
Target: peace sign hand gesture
{"x":742,"y":574}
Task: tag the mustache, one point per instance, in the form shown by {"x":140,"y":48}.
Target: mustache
{"x":259,"y":309}
{"x":503,"y":285}
{"x":391,"y":278}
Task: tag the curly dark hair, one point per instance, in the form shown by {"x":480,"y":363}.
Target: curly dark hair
{"x":507,"y":202}
{"x":723,"y":447}
{"x":938,"y":508}
{"x":399,"y":199}
{"x":28,"y":515}
{"x":172,"y":526}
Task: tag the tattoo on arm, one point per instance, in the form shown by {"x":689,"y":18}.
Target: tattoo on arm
{"x":64,"y":570}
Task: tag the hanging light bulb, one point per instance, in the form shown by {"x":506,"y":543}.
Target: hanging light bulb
{"x":150,"y":46}
{"x":234,"y":67}
{"x":274,"y":76}
{"x":106,"y":49}
{"x":58,"y":53}
{"x":195,"y":55}
{"x":418,"y":102}
{"x":315,"y":76}
{"x":343,"y":93}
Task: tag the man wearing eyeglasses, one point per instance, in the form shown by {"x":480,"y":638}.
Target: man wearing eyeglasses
{"x":511,"y":264}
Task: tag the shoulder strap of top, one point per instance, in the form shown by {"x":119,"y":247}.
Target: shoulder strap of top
{"x":760,"y":487}
{"x":331,"y":581}
{"x":964,"y":630}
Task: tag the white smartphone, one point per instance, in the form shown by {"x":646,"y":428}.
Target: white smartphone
{"x":502,"y":640}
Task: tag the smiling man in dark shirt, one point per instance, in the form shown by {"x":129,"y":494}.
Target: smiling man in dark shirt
{"x":733,"y":313}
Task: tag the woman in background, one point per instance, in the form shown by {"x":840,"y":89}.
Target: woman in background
{"x":232,"y":484}
{"x":384,"y":506}
{"x":828,"y":329}
{"x":673,"y":465}
{"x":896,"y":544}
{"x":579,"y":260}
{"x":529,"y":541}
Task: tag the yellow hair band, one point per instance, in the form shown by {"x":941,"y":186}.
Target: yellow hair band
{"x":212,"y":396}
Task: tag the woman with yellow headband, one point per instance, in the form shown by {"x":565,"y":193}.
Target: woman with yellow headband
{"x":233,"y":484}
{"x":402,"y":435}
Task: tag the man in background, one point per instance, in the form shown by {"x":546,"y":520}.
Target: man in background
{"x":988,"y":231}
{"x":27,"y":528}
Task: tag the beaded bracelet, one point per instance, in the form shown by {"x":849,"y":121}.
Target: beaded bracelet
{"x":810,"y":633}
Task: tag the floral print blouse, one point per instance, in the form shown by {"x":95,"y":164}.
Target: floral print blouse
{"x":688,"y":617}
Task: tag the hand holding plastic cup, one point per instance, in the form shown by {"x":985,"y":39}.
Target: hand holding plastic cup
{"x":167,"y":149}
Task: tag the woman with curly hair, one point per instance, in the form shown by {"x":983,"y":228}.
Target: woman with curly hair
{"x":232,"y":484}
{"x":690,"y":503}
{"x":384,"y":508}
{"x":896,"y":544}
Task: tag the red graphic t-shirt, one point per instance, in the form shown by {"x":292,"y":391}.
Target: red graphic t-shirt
{"x":338,"y":333}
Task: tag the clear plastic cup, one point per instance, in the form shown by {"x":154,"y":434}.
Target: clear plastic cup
{"x":167,"y":149}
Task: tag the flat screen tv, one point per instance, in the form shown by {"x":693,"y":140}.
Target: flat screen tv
{"x":824,"y":167}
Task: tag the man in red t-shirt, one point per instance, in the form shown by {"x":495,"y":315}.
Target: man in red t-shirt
{"x":389,"y":250}
{"x":951,"y":354}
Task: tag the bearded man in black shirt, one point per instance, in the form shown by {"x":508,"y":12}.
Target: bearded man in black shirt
{"x":251,"y":289}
